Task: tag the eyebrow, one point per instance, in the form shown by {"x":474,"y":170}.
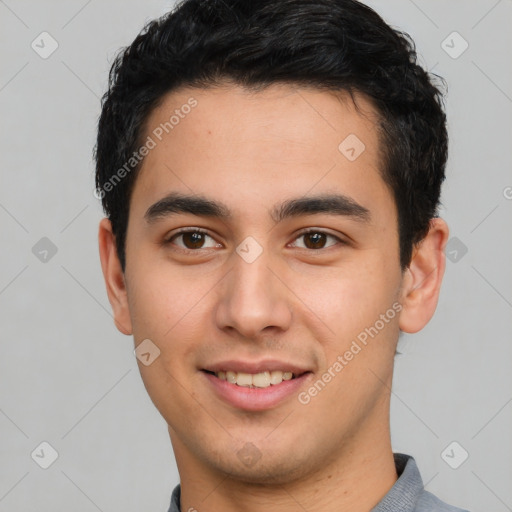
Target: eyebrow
{"x":176,"y":203}
{"x":332,"y":204}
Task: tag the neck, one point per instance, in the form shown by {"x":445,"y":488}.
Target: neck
{"x":355,"y":481}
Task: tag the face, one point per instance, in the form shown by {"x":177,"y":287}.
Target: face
{"x":234,"y":265}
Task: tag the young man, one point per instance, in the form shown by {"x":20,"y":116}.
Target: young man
{"x":271,"y":173}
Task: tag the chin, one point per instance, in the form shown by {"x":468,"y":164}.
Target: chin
{"x":267,"y":470}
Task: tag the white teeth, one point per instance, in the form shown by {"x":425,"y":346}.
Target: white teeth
{"x":258,"y":380}
{"x":244,"y":379}
{"x":276,"y":377}
{"x":261,"y":380}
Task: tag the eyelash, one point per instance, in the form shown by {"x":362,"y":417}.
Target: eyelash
{"x":307,"y":231}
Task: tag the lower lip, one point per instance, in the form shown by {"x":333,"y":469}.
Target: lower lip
{"x":256,"y":399}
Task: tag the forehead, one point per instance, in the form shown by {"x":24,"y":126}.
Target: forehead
{"x":246,"y":145}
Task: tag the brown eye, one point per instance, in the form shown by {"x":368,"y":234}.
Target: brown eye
{"x":316,"y":240}
{"x":193,"y":240}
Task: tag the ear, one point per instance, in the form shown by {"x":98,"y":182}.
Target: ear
{"x":114,"y":277}
{"x":422,"y":279}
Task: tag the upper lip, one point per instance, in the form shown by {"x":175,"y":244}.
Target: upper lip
{"x":255,"y":366}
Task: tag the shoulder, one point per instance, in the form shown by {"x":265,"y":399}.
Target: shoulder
{"x":409,"y":492}
{"x":427,"y":502}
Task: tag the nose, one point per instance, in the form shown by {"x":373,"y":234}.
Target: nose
{"x":252,"y":300}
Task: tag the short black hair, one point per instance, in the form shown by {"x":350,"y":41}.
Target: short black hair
{"x":332,"y":45}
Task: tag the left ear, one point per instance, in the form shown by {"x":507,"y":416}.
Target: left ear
{"x":422,"y":279}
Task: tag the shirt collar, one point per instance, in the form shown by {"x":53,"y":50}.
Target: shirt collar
{"x":402,"y":497}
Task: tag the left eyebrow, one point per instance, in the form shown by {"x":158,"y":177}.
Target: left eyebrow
{"x":332,"y":204}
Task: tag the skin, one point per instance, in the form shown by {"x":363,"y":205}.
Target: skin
{"x":252,"y":151}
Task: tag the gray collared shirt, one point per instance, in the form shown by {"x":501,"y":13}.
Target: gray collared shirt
{"x":407,"y":495}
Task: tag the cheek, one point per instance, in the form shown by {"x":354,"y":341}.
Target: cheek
{"x":173,"y":309}
{"x":162,"y":298}
{"x":170,"y":311}
{"x":347,"y":300}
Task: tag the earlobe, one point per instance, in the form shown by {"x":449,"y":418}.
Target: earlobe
{"x":114,"y":277}
{"x":422,"y":280}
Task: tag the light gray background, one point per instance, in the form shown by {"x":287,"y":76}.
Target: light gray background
{"x":69,"y":378}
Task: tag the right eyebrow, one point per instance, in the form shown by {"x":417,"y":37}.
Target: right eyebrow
{"x":181,"y":203}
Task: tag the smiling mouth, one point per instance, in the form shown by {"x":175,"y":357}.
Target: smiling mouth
{"x":254,"y":380}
